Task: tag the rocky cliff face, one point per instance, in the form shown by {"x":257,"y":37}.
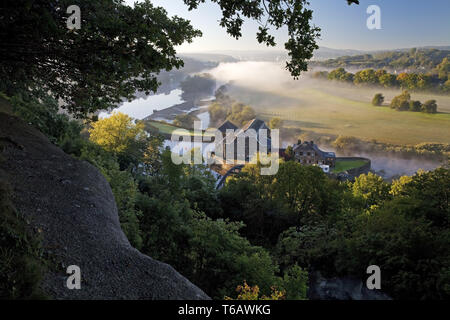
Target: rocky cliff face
{"x":71,"y":204}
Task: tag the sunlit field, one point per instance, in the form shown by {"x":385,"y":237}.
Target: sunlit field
{"x":326,"y":108}
{"x":343,"y":165}
{"x":168,"y":129}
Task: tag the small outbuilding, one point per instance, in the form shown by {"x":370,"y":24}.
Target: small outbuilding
{"x":308,"y":153}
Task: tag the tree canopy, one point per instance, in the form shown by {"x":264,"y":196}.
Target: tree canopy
{"x":120,"y":49}
{"x":117,"y":51}
{"x":378,"y":99}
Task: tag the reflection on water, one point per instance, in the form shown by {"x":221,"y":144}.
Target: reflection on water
{"x":143,"y":107}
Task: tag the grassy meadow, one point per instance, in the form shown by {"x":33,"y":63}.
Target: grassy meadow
{"x":168,"y":129}
{"x":344,"y":165}
{"x":326,"y":108}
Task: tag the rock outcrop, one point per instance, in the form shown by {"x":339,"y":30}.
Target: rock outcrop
{"x":71,"y":205}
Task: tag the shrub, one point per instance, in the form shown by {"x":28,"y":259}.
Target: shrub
{"x":218,"y":112}
{"x":43,"y":115}
{"x":247,"y":292}
{"x":401,"y":102}
{"x":378,"y":99}
{"x":429,"y":106}
{"x":21,"y":262}
{"x":275,"y":123}
{"x":241,"y":114}
{"x":415,"y":106}
{"x":185,"y":120}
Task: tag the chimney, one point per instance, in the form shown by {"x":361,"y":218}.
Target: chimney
{"x":299,"y":142}
{"x":312,"y":142}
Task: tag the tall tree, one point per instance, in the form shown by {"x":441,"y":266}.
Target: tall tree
{"x":117,"y":51}
{"x":120,"y":49}
{"x":366,"y":76}
{"x":122,"y":137}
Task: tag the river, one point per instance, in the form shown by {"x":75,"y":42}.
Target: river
{"x":143,"y":107}
{"x":140,"y":108}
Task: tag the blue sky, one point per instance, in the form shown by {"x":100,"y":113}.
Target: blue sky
{"x":405,"y":23}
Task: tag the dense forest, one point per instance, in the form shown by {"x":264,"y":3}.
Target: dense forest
{"x":403,"y":102}
{"x":266,"y":231}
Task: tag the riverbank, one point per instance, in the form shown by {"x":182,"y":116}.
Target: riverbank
{"x":171,"y":112}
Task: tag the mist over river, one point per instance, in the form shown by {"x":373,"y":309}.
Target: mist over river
{"x":253,"y":78}
{"x":389,"y":166}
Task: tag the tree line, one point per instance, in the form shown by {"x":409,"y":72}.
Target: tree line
{"x":226,"y":108}
{"x":437,"y":80}
{"x":415,"y":59}
{"x":403,"y":102}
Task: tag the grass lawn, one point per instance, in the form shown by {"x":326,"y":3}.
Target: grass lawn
{"x":167,"y":128}
{"x":327,"y":109}
{"x":344,"y":165}
{"x":5,"y":106}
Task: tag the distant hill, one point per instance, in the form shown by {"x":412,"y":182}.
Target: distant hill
{"x":329,"y":53}
{"x":280,"y":55}
{"x":425,"y":47}
{"x":255,"y":55}
{"x":322,"y":54}
{"x":412,"y":60}
{"x":208,"y":57}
